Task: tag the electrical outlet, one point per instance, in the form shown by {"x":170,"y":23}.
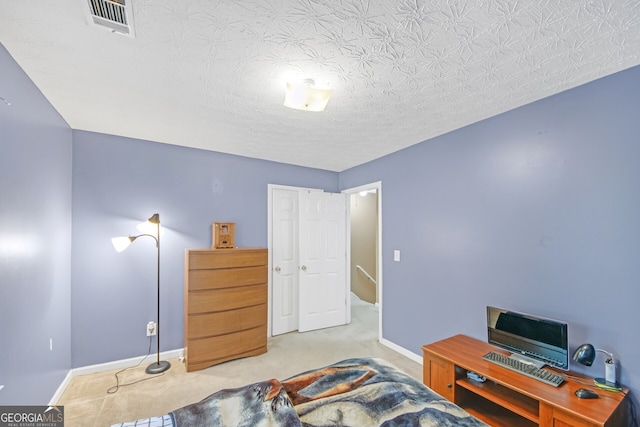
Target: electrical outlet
{"x":151,"y":329}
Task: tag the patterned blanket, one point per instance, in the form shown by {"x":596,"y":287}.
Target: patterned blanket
{"x":354,"y":392}
{"x":370,"y":392}
{"x":264,"y":404}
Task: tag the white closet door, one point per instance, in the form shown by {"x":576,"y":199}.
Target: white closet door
{"x":285,"y":261}
{"x":322,"y":250}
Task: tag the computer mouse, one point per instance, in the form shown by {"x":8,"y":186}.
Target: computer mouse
{"x":584,"y":393}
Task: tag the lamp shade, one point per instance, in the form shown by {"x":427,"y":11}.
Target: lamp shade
{"x":304,"y":96}
{"x":585,"y":354}
{"x":150,"y":227}
{"x":121,"y":243}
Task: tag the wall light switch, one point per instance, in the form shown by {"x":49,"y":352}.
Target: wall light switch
{"x":1,"y":387}
{"x":396,"y":255}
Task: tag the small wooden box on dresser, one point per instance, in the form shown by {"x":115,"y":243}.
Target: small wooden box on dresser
{"x":508,"y":398}
{"x":225,"y":305}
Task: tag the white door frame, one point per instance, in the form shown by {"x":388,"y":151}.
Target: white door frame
{"x":374,"y":185}
{"x":378,"y":187}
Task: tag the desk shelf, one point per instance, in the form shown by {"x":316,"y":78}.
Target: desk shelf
{"x":499,"y":404}
{"x":492,"y":413}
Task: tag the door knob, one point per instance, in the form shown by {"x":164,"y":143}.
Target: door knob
{"x":278,"y":269}
{"x":303,"y":268}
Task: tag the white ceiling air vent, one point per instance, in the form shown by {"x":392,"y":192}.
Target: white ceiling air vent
{"x":114,"y":15}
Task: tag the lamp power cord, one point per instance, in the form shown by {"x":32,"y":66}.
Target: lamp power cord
{"x":115,"y":388}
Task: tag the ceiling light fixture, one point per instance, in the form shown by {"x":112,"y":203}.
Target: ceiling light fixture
{"x":306,"y":96}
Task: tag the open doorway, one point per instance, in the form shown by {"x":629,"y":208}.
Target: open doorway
{"x":283,"y":275}
{"x":364,"y":227}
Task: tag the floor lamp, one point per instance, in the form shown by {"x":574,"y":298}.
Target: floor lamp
{"x":120,"y":244}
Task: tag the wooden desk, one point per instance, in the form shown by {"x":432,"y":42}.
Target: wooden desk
{"x":508,"y":398}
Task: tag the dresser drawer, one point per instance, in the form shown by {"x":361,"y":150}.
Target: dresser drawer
{"x":227,"y":277}
{"x":225,"y":346}
{"x":231,"y":258}
{"x":226,"y":299}
{"x":224,"y":322}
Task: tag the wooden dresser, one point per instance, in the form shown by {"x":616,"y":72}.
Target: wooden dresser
{"x":225,"y":305}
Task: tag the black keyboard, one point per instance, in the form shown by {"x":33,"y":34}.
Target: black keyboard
{"x":525,"y":369}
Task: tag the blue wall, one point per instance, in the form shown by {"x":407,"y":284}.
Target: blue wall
{"x":120,"y":182}
{"x":35,"y":241}
{"x":535,"y":210}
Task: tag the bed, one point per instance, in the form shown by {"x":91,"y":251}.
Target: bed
{"x":353,"y":392}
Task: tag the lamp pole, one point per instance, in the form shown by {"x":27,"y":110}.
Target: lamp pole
{"x":159,"y":366}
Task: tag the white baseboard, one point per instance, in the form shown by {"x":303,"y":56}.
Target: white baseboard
{"x":125,"y":363}
{"x":63,"y":386}
{"x":117,"y":364}
{"x":403,"y":351}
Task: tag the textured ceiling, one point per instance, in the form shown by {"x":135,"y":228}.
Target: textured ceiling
{"x":211,"y":73}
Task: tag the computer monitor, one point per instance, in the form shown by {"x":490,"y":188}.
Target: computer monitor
{"x":534,"y":339}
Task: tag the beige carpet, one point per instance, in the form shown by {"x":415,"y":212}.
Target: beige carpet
{"x":87,"y":403}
